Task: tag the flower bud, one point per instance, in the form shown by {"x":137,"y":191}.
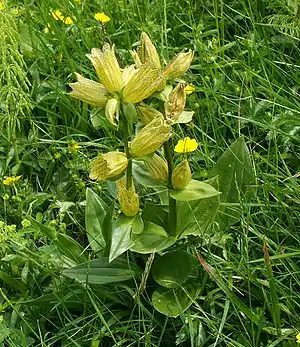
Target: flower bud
{"x":89,"y":91}
{"x":108,"y":166}
{"x":128,"y":199}
{"x":181,"y":175}
{"x":151,"y":137}
{"x":158,"y":168}
{"x":147,"y":52}
{"x":112,"y":109}
{"x":178,"y":65}
{"x":175,"y":104}
{"x":107,"y":68}
{"x":147,"y":113}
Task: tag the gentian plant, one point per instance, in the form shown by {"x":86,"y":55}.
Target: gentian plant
{"x":145,"y":102}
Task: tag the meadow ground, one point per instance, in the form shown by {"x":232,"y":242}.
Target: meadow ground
{"x":246,"y":78}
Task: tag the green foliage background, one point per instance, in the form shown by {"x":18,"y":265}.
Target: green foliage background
{"x":246,"y":74}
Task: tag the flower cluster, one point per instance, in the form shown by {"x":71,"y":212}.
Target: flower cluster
{"x":120,"y":93}
{"x":57,"y":15}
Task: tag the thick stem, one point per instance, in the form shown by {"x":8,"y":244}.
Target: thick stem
{"x":127,"y":152}
{"x":172,"y":202}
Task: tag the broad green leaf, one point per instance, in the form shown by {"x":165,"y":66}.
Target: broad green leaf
{"x":95,"y":212}
{"x":195,"y":190}
{"x":152,"y":239}
{"x":173,"y":268}
{"x":157,"y":214}
{"x":12,"y":282}
{"x":66,"y":244}
{"x":101,"y":271}
{"x":235,"y":173}
{"x":120,"y":239}
{"x":143,"y":177}
{"x":195,"y":217}
{"x":172,"y":302}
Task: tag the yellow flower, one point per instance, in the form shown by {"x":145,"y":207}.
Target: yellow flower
{"x":10,"y":180}
{"x":108,"y":166}
{"x":57,"y":15}
{"x":150,"y":138}
{"x":107,"y":68}
{"x":68,"y":21}
{"x":178,"y":65}
{"x":74,"y":146}
{"x":298,"y":338}
{"x":186,"y":145}
{"x":101,"y":17}
{"x":47,"y":30}
{"x":181,"y":175}
{"x":128,"y":199}
{"x":1,"y":6}
{"x":189,"y":89}
{"x":175,"y":104}
{"x":78,"y":2}
{"x":89,"y":91}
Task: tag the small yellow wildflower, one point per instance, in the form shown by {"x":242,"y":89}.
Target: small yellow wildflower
{"x":57,"y":15}
{"x":78,"y":2}
{"x":101,"y":17}
{"x":74,"y":146}
{"x":298,"y":338}
{"x":10,"y":180}
{"x":46,"y":30}
{"x":189,"y":89}
{"x":186,"y":145}
{"x":1,"y":6}
{"x":68,"y":21}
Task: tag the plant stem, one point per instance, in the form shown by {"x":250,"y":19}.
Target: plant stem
{"x":172,"y":202}
{"x":126,"y":149}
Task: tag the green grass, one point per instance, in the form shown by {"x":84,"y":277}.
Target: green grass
{"x":246,"y":74}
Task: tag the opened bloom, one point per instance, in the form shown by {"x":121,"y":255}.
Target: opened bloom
{"x":9,"y":181}
{"x":101,"y":17}
{"x":130,"y":85}
{"x":189,"y":89}
{"x":298,"y":338}
{"x":68,"y":21}
{"x":186,"y":145}
{"x":57,"y":15}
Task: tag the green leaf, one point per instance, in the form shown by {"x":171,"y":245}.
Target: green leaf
{"x":97,"y":116}
{"x":137,"y":224}
{"x":143,"y":177}
{"x":195,"y":190}
{"x":235,"y":172}
{"x":152,"y":239}
{"x":66,"y":244}
{"x":157,"y":214}
{"x":172,"y":302}
{"x":130,"y":113}
{"x":173,"y":268}
{"x":101,"y":271}
{"x":120,"y":240}
{"x":95,"y":212}
{"x":185,"y":117}
{"x":196,"y":217}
